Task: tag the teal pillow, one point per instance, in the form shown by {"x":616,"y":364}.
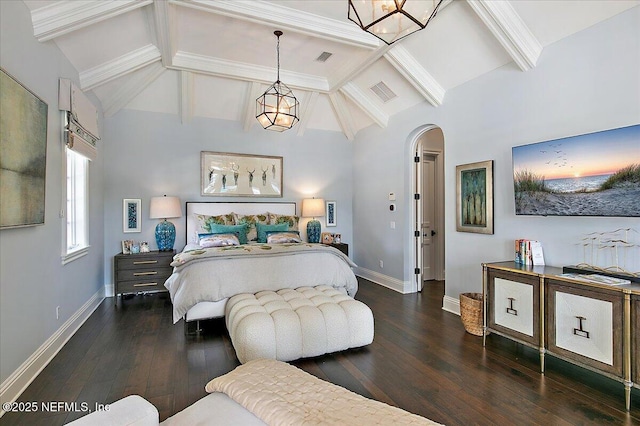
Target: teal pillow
{"x":263,"y":229}
{"x":239,"y":230}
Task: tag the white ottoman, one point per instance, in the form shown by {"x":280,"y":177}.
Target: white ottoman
{"x":289,"y":324}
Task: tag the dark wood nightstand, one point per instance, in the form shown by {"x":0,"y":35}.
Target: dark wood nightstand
{"x":142,"y":272}
{"x":343,"y":247}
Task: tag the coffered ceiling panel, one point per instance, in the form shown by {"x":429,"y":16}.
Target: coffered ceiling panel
{"x":212,"y":58}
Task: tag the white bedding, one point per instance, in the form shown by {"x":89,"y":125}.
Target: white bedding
{"x":214,"y":274}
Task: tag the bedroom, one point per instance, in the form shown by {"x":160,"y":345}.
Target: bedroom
{"x":584,"y":83}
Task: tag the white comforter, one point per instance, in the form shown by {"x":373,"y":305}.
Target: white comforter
{"x":213,"y":274}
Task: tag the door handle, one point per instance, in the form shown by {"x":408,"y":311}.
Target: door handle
{"x":433,"y":232}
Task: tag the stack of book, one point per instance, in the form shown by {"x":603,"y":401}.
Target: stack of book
{"x":529,"y":252}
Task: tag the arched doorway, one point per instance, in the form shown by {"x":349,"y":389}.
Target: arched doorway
{"x":427,"y":192}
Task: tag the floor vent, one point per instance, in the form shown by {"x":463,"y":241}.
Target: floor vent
{"x":383,"y":92}
{"x":324,"y":56}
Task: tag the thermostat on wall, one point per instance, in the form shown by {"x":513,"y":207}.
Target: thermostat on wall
{"x":392,"y":196}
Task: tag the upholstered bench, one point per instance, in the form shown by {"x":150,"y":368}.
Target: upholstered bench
{"x":289,"y":324}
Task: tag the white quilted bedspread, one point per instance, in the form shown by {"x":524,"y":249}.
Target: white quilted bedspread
{"x":281,"y":394}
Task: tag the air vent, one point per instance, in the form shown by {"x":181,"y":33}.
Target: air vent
{"x":383,"y":92}
{"x":324,"y":56}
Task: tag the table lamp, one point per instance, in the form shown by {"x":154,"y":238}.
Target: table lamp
{"x":313,"y":207}
{"x":165,"y":208}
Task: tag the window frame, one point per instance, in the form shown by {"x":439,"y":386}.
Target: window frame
{"x":82,"y":247}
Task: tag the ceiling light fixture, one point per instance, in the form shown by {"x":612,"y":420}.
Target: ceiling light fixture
{"x":277,"y":108}
{"x":391,"y":20}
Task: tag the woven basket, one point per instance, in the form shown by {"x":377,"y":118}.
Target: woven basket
{"x":471,"y":312}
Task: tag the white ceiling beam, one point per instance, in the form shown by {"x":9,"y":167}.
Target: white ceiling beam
{"x":63,"y":17}
{"x":249,"y":116}
{"x":357,"y":96}
{"x":287,"y":18}
{"x":510,"y":30}
{"x":126,"y":92}
{"x":118,"y":67}
{"x":415,"y":74}
{"x":163,"y":26}
{"x":186,"y":96}
{"x":247,"y":72}
{"x":343,"y":115}
{"x":306,"y":110}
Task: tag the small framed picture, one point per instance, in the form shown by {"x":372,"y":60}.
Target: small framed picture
{"x":327,"y":238}
{"x":131,"y":214}
{"x":337,"y":238}
{"x":126,"y":246}
{"x":144,"y":247}
{"x":331,"y":213}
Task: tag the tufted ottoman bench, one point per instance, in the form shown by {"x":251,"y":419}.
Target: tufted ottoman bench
{"x":296,"y":323}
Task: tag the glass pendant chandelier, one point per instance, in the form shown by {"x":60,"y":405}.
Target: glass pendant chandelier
{"x":277,"y":108}
{"x":391,"y":20}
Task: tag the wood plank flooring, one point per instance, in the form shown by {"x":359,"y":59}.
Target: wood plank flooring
{"x":421,"y":360}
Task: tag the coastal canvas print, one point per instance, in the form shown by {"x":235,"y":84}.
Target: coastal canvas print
{"x":23,"y":154}
{"x":596,"y":174}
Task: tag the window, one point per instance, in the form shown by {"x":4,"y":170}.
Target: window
{"x":77,"y":206}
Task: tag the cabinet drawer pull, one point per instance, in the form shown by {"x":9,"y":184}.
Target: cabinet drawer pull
{"x":580,"y":331}
{"x":145,"y":262}
{"x":145,"y":285}
{"x":139,"y":274}
{"x":510,"y":309}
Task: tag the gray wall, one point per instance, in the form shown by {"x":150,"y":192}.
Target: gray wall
{"x":585,"y":83}
{"x":33,"y":282}
{"x":151,"y":154}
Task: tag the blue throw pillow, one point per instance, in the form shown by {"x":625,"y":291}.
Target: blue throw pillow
{"x":263,"y":229}
{"x":239,"y":230}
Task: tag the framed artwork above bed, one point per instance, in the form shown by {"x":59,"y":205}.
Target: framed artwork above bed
{"x":240,"y":175}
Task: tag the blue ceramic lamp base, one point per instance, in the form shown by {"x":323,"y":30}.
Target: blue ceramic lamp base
{"x":313,"y":231}
{"x":165,"y":235}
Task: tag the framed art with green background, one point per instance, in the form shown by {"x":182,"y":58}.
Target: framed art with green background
{"x":474,"y":197}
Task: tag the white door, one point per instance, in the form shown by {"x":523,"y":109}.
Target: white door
{"x":428,"y":225}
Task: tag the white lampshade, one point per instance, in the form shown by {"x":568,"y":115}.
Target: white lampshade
{"x":313,"y":207}
{"x":165,"y":207}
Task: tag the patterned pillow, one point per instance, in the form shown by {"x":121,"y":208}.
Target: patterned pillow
{"x":218,"y":240}
{"x":204,"y":222}
{"x":239,"y":230}
{"x":250,"y":221}
{"x":275,"y":237}
{"x":263,"y":229}
{"x":292,"y":221}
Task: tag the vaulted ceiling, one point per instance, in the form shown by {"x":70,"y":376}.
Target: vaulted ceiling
{"x":213,"y":58}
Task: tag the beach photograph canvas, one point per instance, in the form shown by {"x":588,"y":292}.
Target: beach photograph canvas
{"x":597,"y":174}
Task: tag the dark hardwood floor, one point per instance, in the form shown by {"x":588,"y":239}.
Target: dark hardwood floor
{"x":421,"y":360}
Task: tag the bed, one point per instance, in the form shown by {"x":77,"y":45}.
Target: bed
{"x":204,"y":278}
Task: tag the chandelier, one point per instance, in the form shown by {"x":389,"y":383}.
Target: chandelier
{"x":391,"y":20}
{"x":277,"y":108}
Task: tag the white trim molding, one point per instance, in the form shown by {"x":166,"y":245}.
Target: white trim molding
{"x":18,"y":381}
{"x":403,"y":287}
{"x":118,"y":67}
{"x":451,"y":304}
{"x":416,"y":75}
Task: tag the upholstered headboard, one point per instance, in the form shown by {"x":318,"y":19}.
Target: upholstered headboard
{"x":218,"y":208}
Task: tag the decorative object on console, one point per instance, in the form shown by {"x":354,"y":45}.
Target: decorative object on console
{"x":165,"y":208}
{"x":277,"y":108}
{"x":313,"y":207}
{"x":611,"y":252}
{"x":596,"y":174}
{"x":474,"y":197}
{"x":131,"y":210}
{"x":23,"y":149}
{"x":332,"y":213}
{"x":392,"y":20}
{"x":226,"y":174}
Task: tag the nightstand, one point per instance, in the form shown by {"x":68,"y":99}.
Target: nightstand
{"x":343,"y":247}
{"x":142,"y":272}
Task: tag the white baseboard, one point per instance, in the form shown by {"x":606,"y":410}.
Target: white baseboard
{"x":451,"y":304}
{"x":109,"y":290}
{"x":18,"y":381}
{"x":384,"y":280}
